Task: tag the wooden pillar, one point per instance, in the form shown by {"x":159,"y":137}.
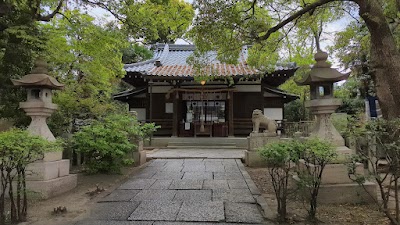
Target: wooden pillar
{"x":151,"y":107}
{"x":230,"y":114}
{"x":175,"y":121}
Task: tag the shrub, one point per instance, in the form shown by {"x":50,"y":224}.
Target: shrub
{"x":316,"y":154}
{"x":281,"y":158}
{"x":106,"y":142}
{"x":17,"y":149}
{"x":383,"y":143}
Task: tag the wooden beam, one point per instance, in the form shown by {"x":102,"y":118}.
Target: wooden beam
{"x":230,"y":114}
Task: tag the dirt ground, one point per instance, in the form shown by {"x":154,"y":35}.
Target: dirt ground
{"x":77,"y":201}
{"x":327,"y":214}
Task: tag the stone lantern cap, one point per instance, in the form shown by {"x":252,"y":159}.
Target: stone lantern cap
{"x":322,"y":72}
{"x":38,"y":78}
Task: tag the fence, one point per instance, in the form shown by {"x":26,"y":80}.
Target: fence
{"x":290,"y":128}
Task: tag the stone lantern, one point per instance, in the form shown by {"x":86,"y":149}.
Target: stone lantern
{"x":322,"y":103}
{"x":49,"y":176}
{"x":39,"y":104}
{"x":336,"y":187}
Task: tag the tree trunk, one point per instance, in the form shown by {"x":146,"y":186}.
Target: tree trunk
{"x":385,"y":57}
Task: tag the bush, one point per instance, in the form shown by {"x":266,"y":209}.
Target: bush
{"x":281,"y":158}
{"x":316,"y":154}
{"x":383,"y":144}
{"x":106,"y":142}
{"x":17,"y":149}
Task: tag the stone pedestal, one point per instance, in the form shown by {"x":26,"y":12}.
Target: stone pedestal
{"x":256,"y":141}
{"x":49,"y":176}
{"x":336,"y":186}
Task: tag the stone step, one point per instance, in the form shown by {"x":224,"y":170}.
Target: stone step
{"x":201,"y":143}
{"x":201,"y":147}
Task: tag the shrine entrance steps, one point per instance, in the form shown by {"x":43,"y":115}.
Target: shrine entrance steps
{"x":199,"y":142}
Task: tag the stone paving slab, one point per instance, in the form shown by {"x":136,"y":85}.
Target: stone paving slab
{"x":186,"y":184}
{"x":113,"y":222}
{"x":183,"y":191}
{"x":215,"y":184}
{"x":201,"y":223}
{"x":168,"y":175}
{"x":233,"y":195}
{"x":198,"y":175}
{"x":155,"y":195}
{"x":137,"y":184}
{"x":228,"y":176}
{"x":237,"y":184}
{"x":161,"y":184}
{"x":242,"y":213}
{"x":203,"y":211}
{"x":193,"y":195}
{"x":197,"y":153}
{"x":165,"y":211}
{"x":194,"y":168}
{"x":120,"y":196}
{"x":113,"y":210}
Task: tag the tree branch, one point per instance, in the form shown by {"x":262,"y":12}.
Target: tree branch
{"x":48,"y":17}
{"x":104,"y":6}
{"x":294,"y":16}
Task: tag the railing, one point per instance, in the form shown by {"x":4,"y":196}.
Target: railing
{"x":290,"y":128}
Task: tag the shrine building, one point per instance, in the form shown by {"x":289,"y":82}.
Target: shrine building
{"x":166,"y":92}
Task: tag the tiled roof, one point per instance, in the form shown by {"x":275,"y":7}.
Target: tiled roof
{"x":173,"y":62}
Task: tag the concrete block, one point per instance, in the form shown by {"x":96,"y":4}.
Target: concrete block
{"x":253,"y":159}
{"x":257,"y":140}
{"x":53,"y":187}
{"x":336,"y":173}
{"x":347,"y":193}
{"x":139,"y":157}
{"x":63,"y":167}
{"x":43,"y":170}
{"x":52,"y":156}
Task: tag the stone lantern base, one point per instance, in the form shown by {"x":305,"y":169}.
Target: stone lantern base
{"x":50,"y":178}
{"x":337,"y":188}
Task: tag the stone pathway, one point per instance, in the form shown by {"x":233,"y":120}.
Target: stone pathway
{"x":197,"y":153}
{"x":183,"y":191}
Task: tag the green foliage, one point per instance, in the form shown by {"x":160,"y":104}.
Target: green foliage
{"x":317,"y":153}
{"x":311,"y":156}
{"x":135,"y":53}
{"x":106,"y":142}
{"x":295,"y":111}
{"x":280,"y":158}
{"x":18,"y":148}
{"x":383,"y":141}
{"x":152,"y":21}
{"x":88,"y":62}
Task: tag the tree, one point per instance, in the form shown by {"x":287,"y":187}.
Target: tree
{"x":150,"y":20}
{"x":88,"y":62}
{"x":20,"y":40}
{"x":28,"y":29}
{"x":241,"y":21}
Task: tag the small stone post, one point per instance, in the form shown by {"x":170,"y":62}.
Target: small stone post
{"x":49,"y":176}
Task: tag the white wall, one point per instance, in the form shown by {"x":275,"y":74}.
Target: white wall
{"x":141,"y":113}
{"x":274,"y":113}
